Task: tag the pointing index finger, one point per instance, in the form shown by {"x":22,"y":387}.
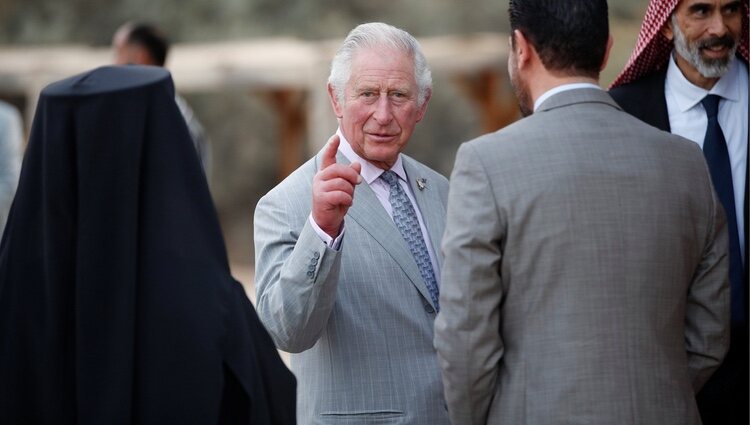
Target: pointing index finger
{"x":329,"y":154}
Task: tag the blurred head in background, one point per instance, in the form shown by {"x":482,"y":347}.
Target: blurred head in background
{"x":137,"y":43}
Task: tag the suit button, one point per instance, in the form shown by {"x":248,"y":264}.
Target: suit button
{"x":314,"y":260}
{"x":316,"y":254}
{"x":310,"y":274}
{"x":311,"y":268}
{"x":428,"y":308}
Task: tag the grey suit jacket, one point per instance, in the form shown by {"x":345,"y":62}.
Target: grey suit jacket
{"x":359,"y":320}
{"x":585,"y":272}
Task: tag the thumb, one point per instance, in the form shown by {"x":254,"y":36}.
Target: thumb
{"x":329,"y":154}
{"x":356,"y":166}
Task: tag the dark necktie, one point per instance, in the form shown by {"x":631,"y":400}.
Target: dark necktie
{"x":407,"y":223}
{"x":717,"y":157}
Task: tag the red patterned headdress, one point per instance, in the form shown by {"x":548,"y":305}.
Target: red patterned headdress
{"x":652,"y":49}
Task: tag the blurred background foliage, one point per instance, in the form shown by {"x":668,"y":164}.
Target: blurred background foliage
{"x":242,"y":127}
{"x":92,"y":22}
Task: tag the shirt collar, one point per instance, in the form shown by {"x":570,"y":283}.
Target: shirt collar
{"x":687,"y":94}
{"x":562,"y":88}
{"x":369,"y":172}
{"x":728,"y":86}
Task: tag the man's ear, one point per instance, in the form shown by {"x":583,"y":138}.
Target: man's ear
{"x":667,"y":31}
{"x":423,"y":108}
{"x":523,"y":49}
{"x":338,"y":108}
{"x":610,"y":42}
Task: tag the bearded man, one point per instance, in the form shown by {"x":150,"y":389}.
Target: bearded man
{"x":689,"y":75}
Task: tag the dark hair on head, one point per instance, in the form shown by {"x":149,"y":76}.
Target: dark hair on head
{"x":570,"y":36}
{"x":150,"y":38}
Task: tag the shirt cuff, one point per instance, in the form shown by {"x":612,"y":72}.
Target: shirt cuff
{"x":325,"y":237}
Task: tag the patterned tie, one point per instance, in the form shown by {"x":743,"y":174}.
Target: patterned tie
{"x":406,"y":220}
{"x":717,"y":157}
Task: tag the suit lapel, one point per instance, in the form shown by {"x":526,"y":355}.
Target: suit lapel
{"x":369,"y":214}
{"x":745,"y":207}
{"x":661,"y":114}
{"x":644,"y":99}
{"x":654,"y":102}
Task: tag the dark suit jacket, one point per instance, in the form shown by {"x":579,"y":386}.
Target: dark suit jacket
{"x":644,"y":99}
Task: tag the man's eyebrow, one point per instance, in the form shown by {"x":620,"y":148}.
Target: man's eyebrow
{"x":699,"y":6}
{"x":733,"y":4}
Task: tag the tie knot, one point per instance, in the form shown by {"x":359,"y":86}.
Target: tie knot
{"x":711,"y":105}
{"x":390,"y":177}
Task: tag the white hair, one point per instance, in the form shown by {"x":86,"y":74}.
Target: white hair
{"x":378,"y":34}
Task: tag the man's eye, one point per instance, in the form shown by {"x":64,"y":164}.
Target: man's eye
{"x":700,"y":10}
{"x":732,"y":8}
{"x":368,"y":94}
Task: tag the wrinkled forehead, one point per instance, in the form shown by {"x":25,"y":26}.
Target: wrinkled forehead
{"x":382,"y":58}
{"x":386,"y":51}
{"x":383,"y":79}
{"x":674,"y":5}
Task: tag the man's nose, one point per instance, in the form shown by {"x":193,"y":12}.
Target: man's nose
{"x":383,"y":113}
{"x":717,"y":24}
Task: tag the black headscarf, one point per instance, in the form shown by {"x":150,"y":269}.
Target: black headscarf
{"x":116,"y":301}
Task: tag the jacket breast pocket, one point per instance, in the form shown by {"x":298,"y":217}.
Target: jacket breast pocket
{"x":374,"y":417}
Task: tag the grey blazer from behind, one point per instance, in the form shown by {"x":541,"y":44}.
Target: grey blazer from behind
{"x":359,"y":320}
{"x":585,"y":272}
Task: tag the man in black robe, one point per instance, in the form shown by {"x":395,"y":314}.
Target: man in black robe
{"x":116,"y":301}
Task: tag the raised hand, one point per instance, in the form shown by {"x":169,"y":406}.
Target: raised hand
{"x":333,"y":189}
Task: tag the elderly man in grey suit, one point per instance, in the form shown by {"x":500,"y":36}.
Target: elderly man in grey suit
{"x":585,"y":274}
{"x":347,"y":247}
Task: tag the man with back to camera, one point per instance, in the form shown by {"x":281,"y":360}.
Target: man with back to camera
{"x":689,"y":65}
{"x":585,"y":271}
{"x":346,"y":247}
{"x":144,"y":44}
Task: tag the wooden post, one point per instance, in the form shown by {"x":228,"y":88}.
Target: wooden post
{"x":289,"y":105}
{"x":485,"y":89}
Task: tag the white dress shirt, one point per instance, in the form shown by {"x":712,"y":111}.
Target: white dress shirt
{"x":687,"y":118}
{"x":559,"y":89}
{"x":370,"y":175}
